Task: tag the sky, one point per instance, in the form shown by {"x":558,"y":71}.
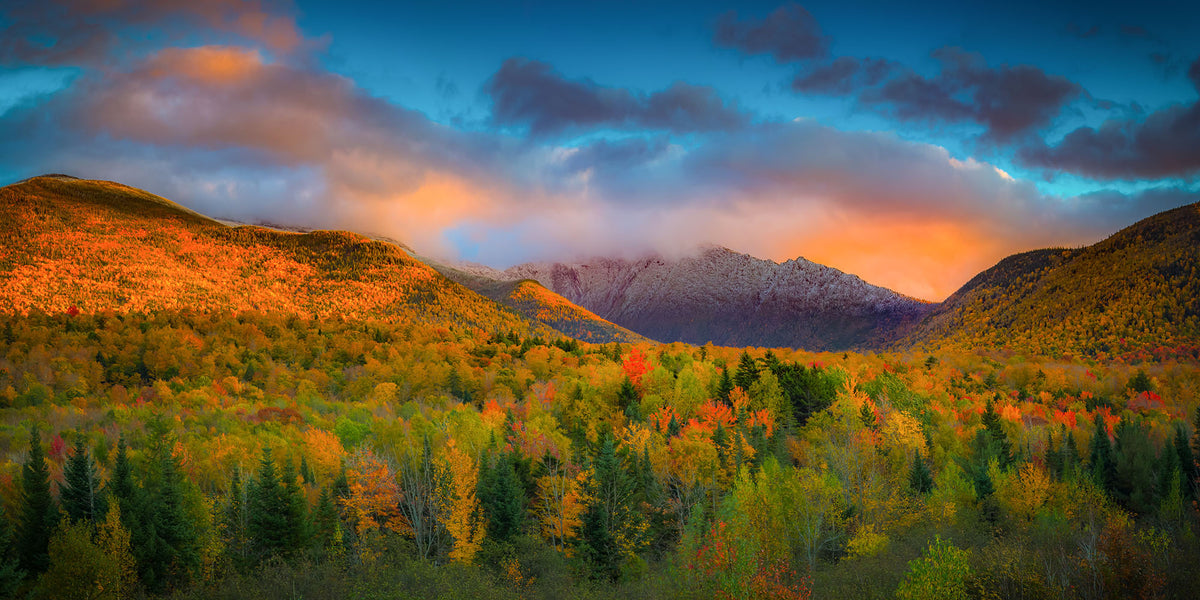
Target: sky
{"x":911,"y":144}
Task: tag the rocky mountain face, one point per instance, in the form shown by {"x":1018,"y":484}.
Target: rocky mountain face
{"x":729,"y":299}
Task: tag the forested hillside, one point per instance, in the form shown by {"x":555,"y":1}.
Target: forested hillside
{"x":1133,"y":295}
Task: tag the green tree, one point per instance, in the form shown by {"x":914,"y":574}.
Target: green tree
{"x":1003,"y":448}
{"x":267,"y":511}
{"x":1101,"y":463}
{"x":941,"y":572}
{"x":299,"y":529}
{"x":920,"y":479}
{"x":39,"y":515}
{"x":747,"y":372}
{"x":724,"y":387}
{"x":78,"y":568}
{"x":503,"y":499}
{"x":234,"y":521}
{"x":11,"y":574}
{"x":82,"y":495}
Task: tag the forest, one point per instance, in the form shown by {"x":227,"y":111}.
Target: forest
{"x":208,"y":454}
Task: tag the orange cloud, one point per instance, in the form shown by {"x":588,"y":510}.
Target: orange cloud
{"x":208,"y":65}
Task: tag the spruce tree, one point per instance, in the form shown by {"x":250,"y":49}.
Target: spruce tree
{"x":233,"y":521}
{"x":295,"y":510}
{"x":326,"y":524}
{"x":1187,"y":463}
{"x":267,"y":508}
{"x":503,"y":499}
{"x":627,"y":395}
{"x":121,"y":483}
{"x":82,"y":495}
{"x":39,"y":515}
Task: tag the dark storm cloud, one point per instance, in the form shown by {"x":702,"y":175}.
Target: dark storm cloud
{"x":1163,"y":144}
{"x":1008,"y":101}
{"x":532,"y":94}
{"x":789,"y":33}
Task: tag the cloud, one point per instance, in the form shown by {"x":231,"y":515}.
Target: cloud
{"x":1162,"y":144}
{"x":790,"y":33}
{"x":89,"y":32}
{"x":528,"y":93}
{"x":1008,"y":101}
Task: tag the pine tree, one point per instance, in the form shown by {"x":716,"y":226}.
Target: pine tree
{"x":82,"y":495}
{"x":747,"y":372}
{"x":920,"y":480}
{"x":1070,"y":455}
{"x":1053,"y":458}
{"x":39,"y":515}
{"x":868,"y":417}
{"x":725,"y":388}
{"x":177,"y":550}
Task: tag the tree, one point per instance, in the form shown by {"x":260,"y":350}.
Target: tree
{"x":114,"y":541}
{"x":920,"y":480}
{"x":1003,"y":448}
{"x":1101,"y":463}
{"x":503,"y":499}
{"x":267,"y":512}
{"x":296,"y":524}
{"x":81,"y":495}
{"x":39,"y":515}
{"x":79,"y":568}
{"x":235,"y":521}
{"x":724,"y":387}
{"x":463,"y":516}
{"x":11,"y":574}
{"x":747,"y":372}
{"x":941,"y":573}
{"x":612,"y":530}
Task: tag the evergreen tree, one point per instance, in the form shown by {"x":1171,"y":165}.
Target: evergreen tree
{"x":121,"y":482}
{"x":920,"y":480}
{"x":725,"y":388}
{"x":1134,"y":466}
{"x":326,"y":524}
{"x":306,"y":474}
{"x":234,"y":521}
{"x":609,"y":515}
{"x":627,"y":395}
{"x":747,"y":372}
{"x":1070,"y":455}
{"x":1053,"y":458}
{"x":502,"y":498}
{"x":267,"y":511}
{"x":295,"y":510}
{"x":1100,"y":462}
{"x":1003,"y":448}
{"x":11,"y":574}
{"x":39,"y":515}
{"x":175,"y":550}
{"x":1187,"y":463}
{"x":81,"y":495}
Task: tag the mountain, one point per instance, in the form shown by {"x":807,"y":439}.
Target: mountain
{"x":728,"y":298}
{"x":531,"y":299}
{"x":1131,"y":295}
{"x":73,"y":244}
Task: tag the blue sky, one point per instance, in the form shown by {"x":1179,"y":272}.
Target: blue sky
{"x":912,"y":145}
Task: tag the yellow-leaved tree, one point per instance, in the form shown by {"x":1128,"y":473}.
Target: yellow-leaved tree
{"x":463,"y":516}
